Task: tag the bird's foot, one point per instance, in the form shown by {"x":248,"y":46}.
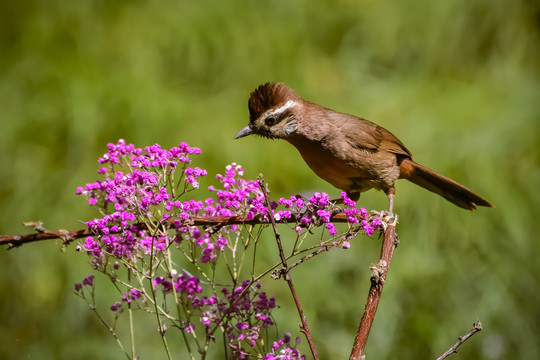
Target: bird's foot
{"x":386,"y":217}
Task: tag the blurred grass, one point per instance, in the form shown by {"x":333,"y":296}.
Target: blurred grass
{"x":458,"y":82}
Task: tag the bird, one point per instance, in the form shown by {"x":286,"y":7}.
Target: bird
{"x":351,"y":153}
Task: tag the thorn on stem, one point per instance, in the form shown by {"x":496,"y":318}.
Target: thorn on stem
{"x":36,"y":225}
{"x":378,"y":272}
{"x":65,"y":236}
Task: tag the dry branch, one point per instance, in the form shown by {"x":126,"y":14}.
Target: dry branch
{"x":477,"y":326}
{"x":378,"y":278}
{"x":69,"y":235}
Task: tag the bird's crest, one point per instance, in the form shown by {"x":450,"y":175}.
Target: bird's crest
{"x":268,"y":96}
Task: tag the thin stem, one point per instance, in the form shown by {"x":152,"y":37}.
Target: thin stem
{"x":304,"y":328}
{"x":153,"y":292}
{"x":179,"y":307}
{"x":322,"y":248}
{"x":113,"y":333}
{"x":131,"y":326}
{"x":132,"y":332}
{"x":158,"y":318}
{"x":477,"y":326}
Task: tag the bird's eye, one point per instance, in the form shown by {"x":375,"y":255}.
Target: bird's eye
{"x":271,"y":120}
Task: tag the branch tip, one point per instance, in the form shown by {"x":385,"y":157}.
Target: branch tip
{"x":477,"y":326}
{"x":36,"y":225}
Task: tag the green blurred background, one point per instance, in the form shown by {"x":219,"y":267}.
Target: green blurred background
{"x":456,"y":81}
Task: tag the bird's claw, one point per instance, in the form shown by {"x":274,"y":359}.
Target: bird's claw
{"x":387,"y":218}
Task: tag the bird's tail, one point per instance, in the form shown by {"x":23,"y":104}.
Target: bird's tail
{"x":439,"y":184}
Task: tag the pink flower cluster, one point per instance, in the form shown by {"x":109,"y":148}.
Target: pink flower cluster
{"x":142,"y":186}
{"x":244,"y":311}
{"x":143,"y":215}
{"x":284,"y":350}
{"x":137,"y":186}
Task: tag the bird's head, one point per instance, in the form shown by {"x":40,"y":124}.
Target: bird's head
{"x":272,"y":108}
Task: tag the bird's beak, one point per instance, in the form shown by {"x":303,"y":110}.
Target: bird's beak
{"x":244,"y":132}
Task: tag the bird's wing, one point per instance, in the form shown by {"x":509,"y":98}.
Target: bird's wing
{"x":363,"y":134}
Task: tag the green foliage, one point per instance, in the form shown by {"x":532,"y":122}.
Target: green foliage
{"x":456,"y":81}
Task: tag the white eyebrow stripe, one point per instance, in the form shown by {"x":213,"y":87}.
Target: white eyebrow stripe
{"x":289,"y":104}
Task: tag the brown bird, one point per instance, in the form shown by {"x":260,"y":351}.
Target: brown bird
{"x":349,"y":152}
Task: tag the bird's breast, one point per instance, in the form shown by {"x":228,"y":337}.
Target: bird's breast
{"x":347,"y":168}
